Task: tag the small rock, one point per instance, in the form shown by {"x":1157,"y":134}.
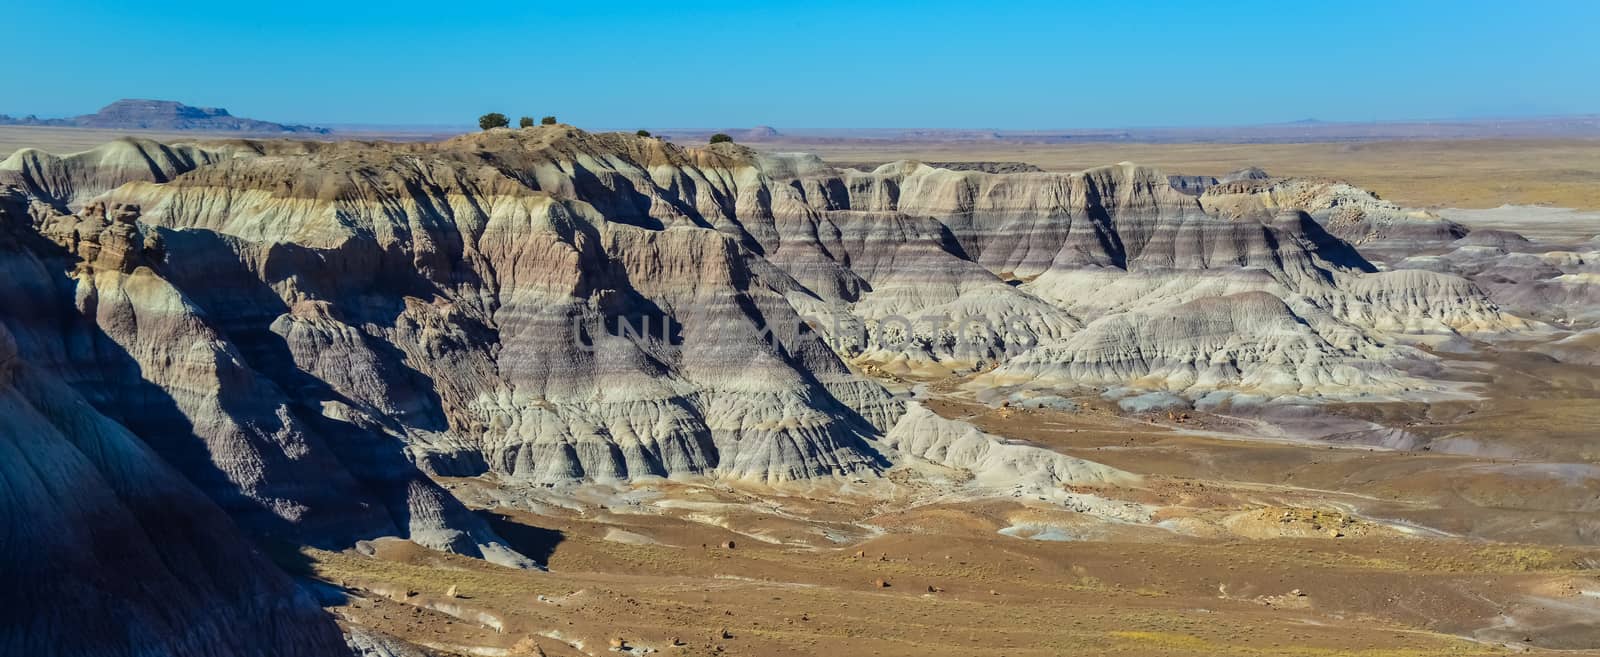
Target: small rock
{"x":880,"y":583}
{"x":724,"y":634}
{"x":617,"y":643}
{"x":935,"y":589}
{"x":366,"y":548}
{"x":727,"y":545}
{"x":451,"y":592}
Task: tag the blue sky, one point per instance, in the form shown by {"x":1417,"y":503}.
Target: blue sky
{"x":930,"y":63}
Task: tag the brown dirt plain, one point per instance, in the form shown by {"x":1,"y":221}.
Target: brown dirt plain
{"x":1483,"y":544}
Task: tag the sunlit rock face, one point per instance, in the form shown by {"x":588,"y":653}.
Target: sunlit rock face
{"x":298,"y":335}
{"x":553,"y":305}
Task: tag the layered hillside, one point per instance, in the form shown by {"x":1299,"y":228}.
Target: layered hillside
{"x":99,"y":532}
{"x":1358,"y":216}
{"x":554,"y":305}
{"x":306,"y":332}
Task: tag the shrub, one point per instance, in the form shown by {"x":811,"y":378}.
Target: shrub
{"x":721,"y":138}
{"x":493,"y":120}
{"x":549,"y":120}
{"x":525,"y":122}
{"x":643,"y":133}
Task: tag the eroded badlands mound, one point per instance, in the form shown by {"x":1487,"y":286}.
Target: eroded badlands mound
{"x":301,"y":333}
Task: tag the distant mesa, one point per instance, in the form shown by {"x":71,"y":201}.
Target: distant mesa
{"x":140,"y":114}
{"x":760,"y":132}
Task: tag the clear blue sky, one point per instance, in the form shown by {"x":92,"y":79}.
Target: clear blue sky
{"x":857,"y":63}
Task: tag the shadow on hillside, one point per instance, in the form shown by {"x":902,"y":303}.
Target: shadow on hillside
{"x":536,"y":543}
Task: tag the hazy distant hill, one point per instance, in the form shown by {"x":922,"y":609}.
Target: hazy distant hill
{"x":139,"y":114}
{"x":1300,"y":131}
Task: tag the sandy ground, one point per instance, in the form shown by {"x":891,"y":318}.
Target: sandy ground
{"x":964,"y":578}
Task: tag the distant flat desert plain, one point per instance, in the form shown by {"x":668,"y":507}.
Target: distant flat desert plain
{"x":1466,"y":173}
{"x":1478,"y":173}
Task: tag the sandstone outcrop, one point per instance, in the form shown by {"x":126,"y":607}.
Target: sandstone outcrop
{"x":1550,"y":282}
{"x":1250,"y":341}
{"x":1379,"y":228}
{"x":298,"y":334}
{"x":86,"y":299}
{"x":553,"y":305}
{"x":69,"y":181}
{"x":993,"y":461}
{"x":98,"y":531}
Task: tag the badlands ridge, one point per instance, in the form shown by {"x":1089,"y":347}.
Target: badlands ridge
{"x":301,"y":336}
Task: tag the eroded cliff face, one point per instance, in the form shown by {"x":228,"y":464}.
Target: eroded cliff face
{"x":1380,"y":228}
{"x":109,"y":549}
{"x":86,"y":300}
{"x":463,"y":299}
{"x":306,"y":331}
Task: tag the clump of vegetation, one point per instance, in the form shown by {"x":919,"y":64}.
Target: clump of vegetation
{"x":721,"y":138}
{"x":493,"y":120}
{"x":525,"y":122}
{"x":549,"y":120}
{"x":643,"y":133}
